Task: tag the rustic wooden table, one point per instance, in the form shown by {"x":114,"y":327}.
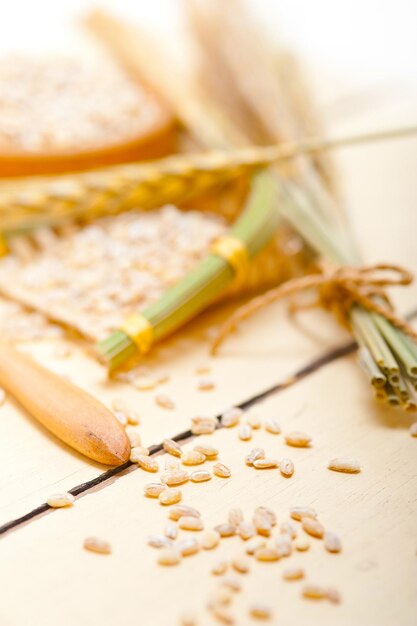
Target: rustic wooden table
{"x":46,"y":577}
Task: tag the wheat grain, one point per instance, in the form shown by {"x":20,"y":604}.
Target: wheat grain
{"x":272,"y":426}
{"x":260,"y":611}
{"x":169,"y":556}
{"x":221,"y":470}
{"x":245,"y":432}
{"x":266,"y":554}
{"x":203,"y":425}
{"x":254,"y":421}
{"x":174,"y":477}
{"x":210,"y":539}
{"x":241,"y":564}
{"x":171,"y":531}
{"x":346,"y":465}
{"x":298,"y":439}
{"x":200,"y":476}
{"x":180,"y":510}
{"x":254,"y":455}
{"x":283,"y":545}
{"x":188,"y":546}
{"x":302,"y":543}
{"x":313,"y":527}
{"x":147,"y":463}
{"x":286,"y":467}
{"x":138,"y":453}
{"x":219,"y":568}
{"x":293,"y":573}
{"x":265,"y":463}
{"x":59,"y":500}
{"x":265,"y":510}
{"x":232,"y":583}
{"x":332,"y":542}
{"x":225,"y":530}
{"x":231,"y":417}
{"x":133,"y":435}
{"x":235,"y":517}
{"x":221,"y":614}
{"x":193,"y":457}
{"x":206,"y":384}
{"x":254,"y":544}
{"x":246,"y":530}
{"x":169,"y":496}
{"x":94,"y":544}
{"x":210,"y":452}
{"x":287,"y":528}
{"x":165,"y":401}
{"x":314,"y":592}
{"x":172,"y":447}
{"x":299,"y":512}
{"x":159,"y":541}
{"x":189,"y":522}
{"x":152,"y":490}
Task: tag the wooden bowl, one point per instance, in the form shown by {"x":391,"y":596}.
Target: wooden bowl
{"x":156,"y":140}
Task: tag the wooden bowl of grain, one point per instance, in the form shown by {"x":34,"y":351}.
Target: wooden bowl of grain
{"x":65,"y":114}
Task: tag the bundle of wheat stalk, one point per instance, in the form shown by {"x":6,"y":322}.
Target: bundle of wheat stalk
{"x":246,"y":97}
{"x":247,"y":124}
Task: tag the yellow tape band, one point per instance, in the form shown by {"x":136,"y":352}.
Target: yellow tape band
{"x":234,"y":251}
{"x":140,"y":330}
{"x":4,"y":249}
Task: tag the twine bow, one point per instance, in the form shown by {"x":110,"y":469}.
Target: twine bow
{"x":338,"y":289}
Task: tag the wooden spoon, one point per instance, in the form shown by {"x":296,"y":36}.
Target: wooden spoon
{"x":67,"y":411}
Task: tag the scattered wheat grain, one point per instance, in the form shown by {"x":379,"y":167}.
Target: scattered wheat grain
{"x":241,"y":564}
{"x":210,"y":452}
{"x":260,"y":611}
{"x":225,"y":530}
{"x":174,"y":477}
{"x":298,"y":439}
{"x":219,"y":568}
{"x":94,"y":544}
{"x":332,"y":542}
{"x":188,"y":546}
{"x":169,"y":556}
{"x":272,"y":426}
{"x":189,"y":522}
{"x":221,"y":470}
{"x":348,"y":466}
{"x":299,"y":512}
{"x":172,"y":447}
{"x":265,"y":463}
{"x":286,"y":467}
{"x":59,"y":500}
{"x":193,"y":457}
{"x":313,"y":527}
{"x":254,"y":455}
{"x":138,"y":452}
{"x":152,"y":490}
{"x":231,"y":417}
{"x":235,"y":517}
{"x":181,"y":510}
{"x":169,"y":496}
{"x":266,"y":554}
{"x":293,"y":573}
{"x":147,"y":463}
{"x":210,"y":539}
{"x":314,"y":592}
{"x":245,"y":432}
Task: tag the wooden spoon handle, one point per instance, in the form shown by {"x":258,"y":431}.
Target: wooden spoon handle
{"x":67,"y":411}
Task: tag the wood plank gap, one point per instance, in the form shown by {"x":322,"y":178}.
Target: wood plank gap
{"x":311,"y":367}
